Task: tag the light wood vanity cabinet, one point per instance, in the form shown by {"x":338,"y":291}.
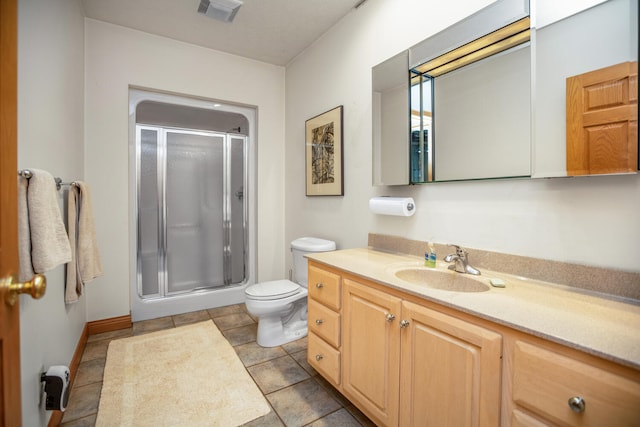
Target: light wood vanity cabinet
{"x":405,"y":364}
{"x":325,"y":300}
{"x":405,"y":361}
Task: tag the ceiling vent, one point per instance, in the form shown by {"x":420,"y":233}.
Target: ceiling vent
{"x":222,"y":10}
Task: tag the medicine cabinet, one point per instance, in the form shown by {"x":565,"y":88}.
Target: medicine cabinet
{"x":487,"y":97}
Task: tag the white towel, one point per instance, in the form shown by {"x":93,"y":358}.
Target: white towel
{"x":42,"y":238}
{"x":24,"y":236}
{"x":85,"y":264}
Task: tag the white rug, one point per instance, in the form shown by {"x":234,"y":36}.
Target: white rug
{"x":187,"y":376}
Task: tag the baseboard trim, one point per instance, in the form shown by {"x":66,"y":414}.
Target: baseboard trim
{"x":108,"y":325}
{"x":56,"y":416}
{"x":90,"y":328}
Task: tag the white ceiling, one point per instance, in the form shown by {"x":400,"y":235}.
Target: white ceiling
{"x":272,"y":31}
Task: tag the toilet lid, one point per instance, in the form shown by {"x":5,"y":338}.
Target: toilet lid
{"x":272,"y":290}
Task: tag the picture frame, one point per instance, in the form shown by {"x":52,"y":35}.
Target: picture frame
{"x":323,"y":154}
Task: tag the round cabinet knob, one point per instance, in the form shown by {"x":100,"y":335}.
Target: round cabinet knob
{"x":319,"y":321}
{"x":577,"y":404}
{"x":319,"y":357}
{"x":404,"y":324}
{"x":390,"y":317}
{"x":319,"y":285}
{"x":10,"y":290}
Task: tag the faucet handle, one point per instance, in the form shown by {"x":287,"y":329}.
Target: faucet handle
{"x":459,"y":250}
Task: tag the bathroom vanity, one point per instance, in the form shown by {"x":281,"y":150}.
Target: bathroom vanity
{"x":529,"y":354}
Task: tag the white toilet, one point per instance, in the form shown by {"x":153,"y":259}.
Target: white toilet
{"x":281,"y":305}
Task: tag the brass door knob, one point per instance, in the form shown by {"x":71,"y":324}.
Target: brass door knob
{"x":10,"y":289}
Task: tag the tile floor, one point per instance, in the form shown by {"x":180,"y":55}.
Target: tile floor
{"x":297,"y":394}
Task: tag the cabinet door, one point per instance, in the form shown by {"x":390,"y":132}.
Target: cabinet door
{"x":371,"y":351}
{"x":602,"y":120}
{"x":450,"y":371}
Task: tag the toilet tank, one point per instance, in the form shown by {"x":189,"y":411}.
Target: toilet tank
{"x":302,"y":246}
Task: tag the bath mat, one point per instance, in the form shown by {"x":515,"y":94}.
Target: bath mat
{"x":186,"y":376}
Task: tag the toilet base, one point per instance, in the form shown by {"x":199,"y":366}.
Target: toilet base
{"x":271,"y":332}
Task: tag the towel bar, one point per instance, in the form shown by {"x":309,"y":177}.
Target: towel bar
{"x":26,"y":173}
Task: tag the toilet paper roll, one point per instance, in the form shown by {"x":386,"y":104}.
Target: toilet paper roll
{"x":399,"y":206}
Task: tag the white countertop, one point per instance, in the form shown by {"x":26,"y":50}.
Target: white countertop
{"x":594,"y":323}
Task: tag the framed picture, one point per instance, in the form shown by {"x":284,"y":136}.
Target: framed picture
{"x":323,"y":154}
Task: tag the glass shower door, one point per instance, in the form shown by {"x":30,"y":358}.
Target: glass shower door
{"x":198,"y":224}
{"x":194,"y":191}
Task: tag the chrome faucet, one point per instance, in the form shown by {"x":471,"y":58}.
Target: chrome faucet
{"x":461,"y":261}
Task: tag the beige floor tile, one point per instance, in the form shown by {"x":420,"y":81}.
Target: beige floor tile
{"x":241,"y":335}
{"x":233,"y":321}
{"x":193,"y":317}
{"x":83,"y":402}
{"x":95,"y":350}
{"x":120,"y":333}
{"x":302,"y":403}
{"x":89,"y":421}
{"x":296,"y":346}
{"x":277,"y":374}
{"x":152,"y":325}
{"x":358,"y":415}
{"x":269,"y":420}
{"x":332,"y":391}
{"x":252,"y":354}
{"x":341,"y":418}
{"x":90,"y":372}
{"x":226,"y":310}
{"x":301,"y":358}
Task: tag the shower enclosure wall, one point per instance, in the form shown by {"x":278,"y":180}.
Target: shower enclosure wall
{"x":192,"y":222}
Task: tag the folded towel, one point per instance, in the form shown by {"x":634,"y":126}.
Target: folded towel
{"x":24,"y":236}
{"x":43,"y":242}
{"x":85,"y":264}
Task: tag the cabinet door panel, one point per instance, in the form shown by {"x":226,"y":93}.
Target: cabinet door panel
{"x":450,"y":371}
{"x":371,"y":351}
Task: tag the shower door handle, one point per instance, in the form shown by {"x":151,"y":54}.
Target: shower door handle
{"x":239,"y":194}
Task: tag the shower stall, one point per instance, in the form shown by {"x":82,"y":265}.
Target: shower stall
{"x":190,"y":171}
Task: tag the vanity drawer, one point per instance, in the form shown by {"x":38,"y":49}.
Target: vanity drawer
{"x":324,"y":322}
{"x":324,"y":286}
{"x":545,"y":381}
{"x":324,"y":358}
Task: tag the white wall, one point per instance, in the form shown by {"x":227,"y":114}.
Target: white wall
{"x":50,"y":137}
{"x":116,"y":58}
{"x":589,"y":220}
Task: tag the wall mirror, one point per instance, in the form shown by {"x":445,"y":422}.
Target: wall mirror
{"x":390,"y":101}
{"x":471,"y":88}
{"x":505,"y":115}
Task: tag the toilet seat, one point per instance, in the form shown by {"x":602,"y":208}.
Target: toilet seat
{"x":276,"y":289}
